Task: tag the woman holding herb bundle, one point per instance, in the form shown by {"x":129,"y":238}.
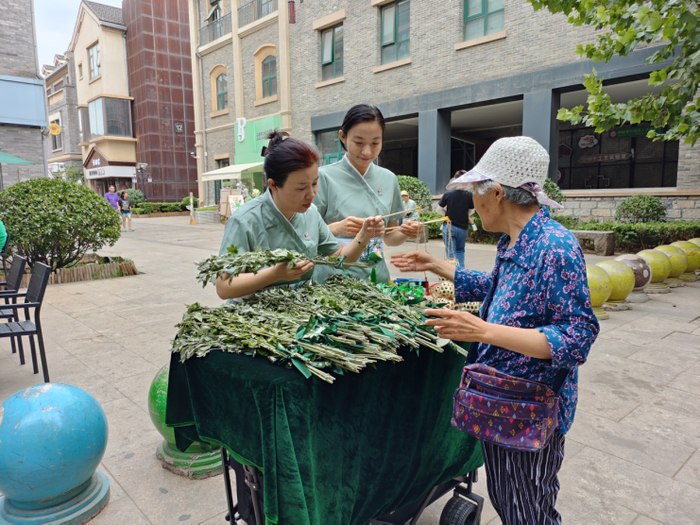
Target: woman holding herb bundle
{"x":536,"y":321}
{"x":355,"y":187}
{"x":285,"y":217}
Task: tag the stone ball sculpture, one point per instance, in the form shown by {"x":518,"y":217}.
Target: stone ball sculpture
{"x":679,"y":262}
{"x":199,"y":461}
{"x":622,"y":279}
{"x":642,"y":276}
{"x":692,"y":250}
{"x":600,"y":287}
{"x":660,"y":266}
{"x":52,"y":439}
{"x":695,"y":240}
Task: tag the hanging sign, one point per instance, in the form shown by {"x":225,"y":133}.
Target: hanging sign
{"x":604,"y":157}
{"x":587,"y":141}
{"x":633,"y":132}
{"x":54,"y":128}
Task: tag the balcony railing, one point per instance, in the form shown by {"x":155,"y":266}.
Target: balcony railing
{"x":255,"y":10}
{"x":216,"y":29}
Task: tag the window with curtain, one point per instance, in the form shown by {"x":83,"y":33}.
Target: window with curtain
{"x":221,"y":92}
{"x":94,"y":56}
{"x":269,"y":76}
{"x":56,"y":139}
{"x":483,"y":17}
{"x":396,"y":31}
{"x":108,"y":116}
{"x":265,"y":7}
{"x":332,"y":53}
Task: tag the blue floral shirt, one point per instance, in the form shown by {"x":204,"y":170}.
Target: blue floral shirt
{"x":538,"y":283}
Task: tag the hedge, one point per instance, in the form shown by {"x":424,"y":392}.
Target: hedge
{"x":632,"y":237}
{"x":158,"y":207}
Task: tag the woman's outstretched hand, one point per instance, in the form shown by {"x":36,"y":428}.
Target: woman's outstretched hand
{"x":413,"y":261}
{"x":458,"y":326}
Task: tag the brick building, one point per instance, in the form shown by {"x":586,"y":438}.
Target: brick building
{"x":22,"y":110}
{"x":450,"y":76}
{"x":62,"y":150}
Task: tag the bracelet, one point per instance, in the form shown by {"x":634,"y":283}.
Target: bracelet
{"x":358,"y":241}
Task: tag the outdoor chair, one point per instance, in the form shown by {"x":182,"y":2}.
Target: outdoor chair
{"x":3,"y":256}
{"x":33,"y":298}
{"x":11,"y":286}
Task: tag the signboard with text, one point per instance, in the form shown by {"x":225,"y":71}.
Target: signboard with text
{"x":604,"y":157}
{"x":253,"y":133}
{"x":633,"y":132}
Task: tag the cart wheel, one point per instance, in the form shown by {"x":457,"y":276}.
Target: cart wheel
{"x":459,"y":511}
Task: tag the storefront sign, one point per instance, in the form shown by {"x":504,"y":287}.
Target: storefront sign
{"x":604,"y":157}
{"x":54,"y":128}
{"x":254,"y":133}
{"x":116,"y":172}
{"x":633,"y":132}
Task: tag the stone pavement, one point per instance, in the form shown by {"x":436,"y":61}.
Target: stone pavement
{"x":632,"y":455}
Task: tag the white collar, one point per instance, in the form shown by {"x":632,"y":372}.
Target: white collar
{"x":278,"y":210}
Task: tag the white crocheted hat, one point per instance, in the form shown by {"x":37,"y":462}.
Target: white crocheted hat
{"x":518,"y":162}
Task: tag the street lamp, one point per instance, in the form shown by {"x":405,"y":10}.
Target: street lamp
{"x":141,"y":168}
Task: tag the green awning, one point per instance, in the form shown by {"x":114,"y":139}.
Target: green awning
{"x":9,"y":159}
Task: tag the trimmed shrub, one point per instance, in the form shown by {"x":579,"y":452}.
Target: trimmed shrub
{"x":640,"y":208}
{"x":56,"y":222}
{"x":417,"y":191}
{"x":632,"y":237}
{"x":137,"y":211}
{"x":186,"y":202}
{"x":553,"y":191}
{"x":434,"y":231}
{"x":136,"y":197}
{"x":567,"y":221}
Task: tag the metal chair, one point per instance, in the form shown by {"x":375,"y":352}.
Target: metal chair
{"x":32,"y":300}
{"x":3,"y":256}
{"x":14,"y":281}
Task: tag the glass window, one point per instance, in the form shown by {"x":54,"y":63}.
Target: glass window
{"x":56,"y":139}
{"x":332,"y":53}
{"x":265,"y":7}
{"x":84,"y":124}
{"x":221,"y":92}
{"x":94,"y":56}
{"x":483,"y":17}
{"x":396,"y":31}
{"x":329,"y":145}
{"x":269,"y":76}
{"x":108,"y":116}
{"x":222,"y":163}
{"x":97,"y":120}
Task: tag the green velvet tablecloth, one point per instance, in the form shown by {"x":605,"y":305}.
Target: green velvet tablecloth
{"x":341,"y":453}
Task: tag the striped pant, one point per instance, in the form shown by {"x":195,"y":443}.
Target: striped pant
{"x":523,"y":486}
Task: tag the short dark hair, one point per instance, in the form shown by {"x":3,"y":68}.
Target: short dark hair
{"x":359,"y":114}
{"x":124,"y":193}
{"x":285,"y":155}
{"x":459,"y":173}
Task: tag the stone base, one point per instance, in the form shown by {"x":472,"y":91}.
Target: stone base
{"x":192,"y":465}
{"x":674,"y":282}
{"x":655,"y":288}
{"x":601,"y":314}
{"x":689,"y":277}
{"x":79,"y":509}
{"x":616,"y":307}
{"x":638,"y":297}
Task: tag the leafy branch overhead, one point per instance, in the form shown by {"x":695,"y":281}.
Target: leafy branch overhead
{"x":671,"y":28}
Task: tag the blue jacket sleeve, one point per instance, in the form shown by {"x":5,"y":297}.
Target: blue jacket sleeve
{"x":571,"y":326}
{"x":471,"y":285}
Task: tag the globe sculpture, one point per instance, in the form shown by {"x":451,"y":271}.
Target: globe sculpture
{"x":52,"y":439}
{"x":642,"y":276}
{"x":622,"y":280}
{"x":679,"y":262}
{"x":693,"y":252}
{"x":600,"y":287}
{"x":199,"y":461}
{"x":660,"y":266}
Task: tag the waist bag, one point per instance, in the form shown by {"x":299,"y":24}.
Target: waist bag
{"x":507,"y":411}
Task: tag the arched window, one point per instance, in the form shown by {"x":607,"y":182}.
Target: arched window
{"x":269,"y":76}
{"x":221,"y":92}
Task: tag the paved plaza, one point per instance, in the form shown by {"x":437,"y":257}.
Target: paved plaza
{"x":632,"y":455}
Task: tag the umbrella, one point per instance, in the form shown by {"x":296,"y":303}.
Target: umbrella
{"x":5,"y":158}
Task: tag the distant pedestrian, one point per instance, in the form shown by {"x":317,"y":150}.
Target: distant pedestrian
{"x":113,"y":198}
{"x":125,"y":208}
{"x":412,"y":211}
{"x":458,"y":206}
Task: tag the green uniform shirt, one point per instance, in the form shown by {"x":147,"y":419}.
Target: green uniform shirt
{"x":3,"y":236}
{"x":343,"y":192}
{"x":413,"y":215}
{"x":259,"y":223}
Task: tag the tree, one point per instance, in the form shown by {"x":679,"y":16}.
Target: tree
{"x":672,"y":25}
{"x":71,"y":173}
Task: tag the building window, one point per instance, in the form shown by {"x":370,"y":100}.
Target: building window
{"x":265,"y":8}
{"x":58,"y":85}
{"x":109,"y":117}
{"x":483,"y":17}
{"x":395,"y":31}
{"x":94,"y":56}
{"x":222,"y":163}
{"x":84,"y":124}
{"x":80,"y":70}
{"x":221,"y":92}
{"x":332,"y":53}
{"x":56,"y":139}
{"x":269,"y":76}
{"x":328,"y":143}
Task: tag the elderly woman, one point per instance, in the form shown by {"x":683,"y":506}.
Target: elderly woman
{"x":536,"y":316}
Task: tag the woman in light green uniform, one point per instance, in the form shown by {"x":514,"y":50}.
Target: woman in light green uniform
{"x":355,"y":187}
{"x":285,"y":217}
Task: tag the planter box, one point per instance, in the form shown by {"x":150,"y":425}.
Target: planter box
{"x":89,"y":272}
{"x":207,"y":217}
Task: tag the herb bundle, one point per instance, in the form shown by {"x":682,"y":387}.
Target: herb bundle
{"x":234,"y":263}
{"x":343,"y":325}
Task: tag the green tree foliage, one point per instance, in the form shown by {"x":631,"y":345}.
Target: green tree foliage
{"x":135,"y":196}
{"x":186,"y":202}
{"x":56,"y":222}
{"x":72,"y":173}
{"x":672,"y":26}
{"x":417,"y":191}
{"x":640,"y":208}
{"x":553,"y":191}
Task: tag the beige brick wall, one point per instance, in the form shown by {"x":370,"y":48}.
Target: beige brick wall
{"x":603,"y":208}
{"x":249,"y":45}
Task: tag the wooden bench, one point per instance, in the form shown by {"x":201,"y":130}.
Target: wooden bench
{"x":603,"y":241}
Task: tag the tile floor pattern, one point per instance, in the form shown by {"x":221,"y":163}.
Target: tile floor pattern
{"x":632,"y":456}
